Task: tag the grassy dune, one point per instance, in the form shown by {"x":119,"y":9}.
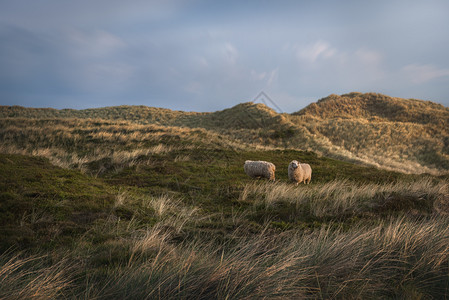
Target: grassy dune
{"x":144,"y":203}
{"x":405,"y":135}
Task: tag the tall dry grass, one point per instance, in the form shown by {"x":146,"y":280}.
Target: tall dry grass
{"x":342,"y":197}
{"x":33,"y":277}
{"x":398,"y":258}
{"x":166,"y":209}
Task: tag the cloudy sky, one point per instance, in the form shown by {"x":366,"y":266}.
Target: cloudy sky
{"x":210,"y":55}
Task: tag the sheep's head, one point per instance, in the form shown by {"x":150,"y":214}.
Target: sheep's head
{"x":294,"y":164}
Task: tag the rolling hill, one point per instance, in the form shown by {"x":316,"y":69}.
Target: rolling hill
{"x":405,"y":135}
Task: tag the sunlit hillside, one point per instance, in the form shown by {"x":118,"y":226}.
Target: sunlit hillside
{"x":406,"y":135}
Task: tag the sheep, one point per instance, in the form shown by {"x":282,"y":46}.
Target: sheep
{"x":260,"y":169}
{"x":299,"y":172}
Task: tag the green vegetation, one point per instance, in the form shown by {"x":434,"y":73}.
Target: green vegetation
{"x":42,"y":205}
{"x":134,"y":208}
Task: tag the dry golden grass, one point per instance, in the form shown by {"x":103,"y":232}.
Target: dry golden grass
{"x":398,"y":134}
{"x":404,"y":135}
{"x":378,"y":107}
{"x":71,"y":143}
{"x":397,"y":258}
{"x":30,"y":278}
{"x":342,"y":198}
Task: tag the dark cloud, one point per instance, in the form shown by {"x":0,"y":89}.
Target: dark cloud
{"x":204,"y":55}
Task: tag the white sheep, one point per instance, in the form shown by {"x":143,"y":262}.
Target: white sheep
{"x":299,"y":172}
{"x":260,"y":168}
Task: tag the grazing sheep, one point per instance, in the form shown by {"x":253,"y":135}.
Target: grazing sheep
{"x":259,"y":169}
{"x":299,"y":172}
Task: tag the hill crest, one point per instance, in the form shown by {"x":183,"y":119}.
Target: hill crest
{"x":379,"y":107}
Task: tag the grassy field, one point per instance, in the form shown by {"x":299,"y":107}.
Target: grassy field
{"x":405,"y":135}
{"x":120,"y":209}
{"x":145,"y":232}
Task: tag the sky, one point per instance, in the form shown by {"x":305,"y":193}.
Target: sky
{"x":210,"y":55}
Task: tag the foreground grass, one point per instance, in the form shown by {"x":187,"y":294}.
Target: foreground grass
{"x":147,"y":232}
{"x":395,"y":258}
{"x":398,"y":258}
{"x":339,"y":199}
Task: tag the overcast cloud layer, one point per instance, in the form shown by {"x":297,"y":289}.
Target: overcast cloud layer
{"x":211,"y":55}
